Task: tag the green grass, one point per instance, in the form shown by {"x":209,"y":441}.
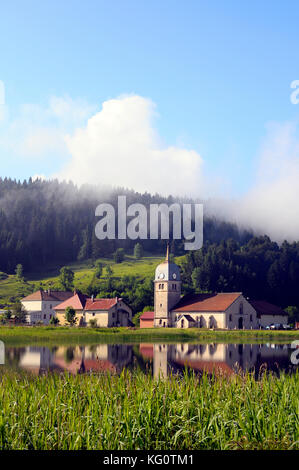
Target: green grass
{"x":135,"y":411}
{"x":12,"y":289}
{"x":49,"y":334}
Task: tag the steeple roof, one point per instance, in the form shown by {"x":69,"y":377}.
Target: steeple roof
{"x":167,"y":271}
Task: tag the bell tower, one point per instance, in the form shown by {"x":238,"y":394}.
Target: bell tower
{"x":167,"y":291}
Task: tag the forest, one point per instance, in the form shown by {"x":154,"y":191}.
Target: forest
{"x":44,"y":222}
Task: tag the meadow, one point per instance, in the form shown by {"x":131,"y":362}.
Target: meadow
{"x":50,"y":334}
{"x":12,"y":289}
{"x":136,"y":411}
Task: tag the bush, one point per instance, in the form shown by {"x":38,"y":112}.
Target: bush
{"x":3,"y":276}
{"x":119,"y":255}
{"x":93,"y":323}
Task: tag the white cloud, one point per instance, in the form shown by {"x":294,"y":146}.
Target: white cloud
{"x":119,"y":146}
{"x":38,"y":131}
{"x":271,"y":205}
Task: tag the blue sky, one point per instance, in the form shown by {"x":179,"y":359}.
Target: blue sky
{"x":218,"y":73}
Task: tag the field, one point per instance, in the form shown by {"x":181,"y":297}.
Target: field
{"x":50,"y":334}
{"x":12,"y":289}
{"x":135,"y":411}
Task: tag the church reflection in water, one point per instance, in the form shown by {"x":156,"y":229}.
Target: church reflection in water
{"x":160,"y":359}
{"x":216,"y":358}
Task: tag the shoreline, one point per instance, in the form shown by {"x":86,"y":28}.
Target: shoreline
{"x":25,"y":334}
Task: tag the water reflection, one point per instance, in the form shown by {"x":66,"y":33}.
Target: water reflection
{"x":159,"y":359}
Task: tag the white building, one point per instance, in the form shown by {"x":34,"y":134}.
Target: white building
{"x":40,"y":305}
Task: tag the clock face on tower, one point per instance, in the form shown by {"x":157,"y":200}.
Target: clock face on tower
{"x":161,"y":276}
{"x":174,"y":276}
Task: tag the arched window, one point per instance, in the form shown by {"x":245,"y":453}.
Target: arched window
{"x":241,"y":308}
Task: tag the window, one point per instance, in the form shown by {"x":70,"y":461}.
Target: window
{"x":45,"y":316}
{"x":160,"y":305}
{"x":241,"y":308}
{"x":230,"y":317}
{"x":160,"y":322}
{"x":251,"y":318}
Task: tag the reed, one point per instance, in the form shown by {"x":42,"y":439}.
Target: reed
{"x":136,"y":411}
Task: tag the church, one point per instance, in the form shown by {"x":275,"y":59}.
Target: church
{"x":229,"y":310}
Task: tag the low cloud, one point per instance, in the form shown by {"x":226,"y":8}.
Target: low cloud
{"x":120,"y":146}
{"x":271,"y":204}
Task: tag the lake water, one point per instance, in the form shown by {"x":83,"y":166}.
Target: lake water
{"x":152,"y":358}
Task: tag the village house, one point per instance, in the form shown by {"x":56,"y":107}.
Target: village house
{"x":40,"y":305}
{"x":105,"y":312}
{"x":229,"y":310}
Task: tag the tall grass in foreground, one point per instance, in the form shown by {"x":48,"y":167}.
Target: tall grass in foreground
{"x":135,"y":411}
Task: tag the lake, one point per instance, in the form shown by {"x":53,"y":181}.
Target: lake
{"x":153,"y":358}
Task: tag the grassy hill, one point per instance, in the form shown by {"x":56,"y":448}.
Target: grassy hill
{"x":11,"y":289}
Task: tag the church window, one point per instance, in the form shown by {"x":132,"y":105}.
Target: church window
{"x":251,"y":318}
{"x":241,"y":308}
{"x":230,"y":317}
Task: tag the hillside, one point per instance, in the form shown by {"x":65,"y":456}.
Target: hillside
{"x":11,"y":289}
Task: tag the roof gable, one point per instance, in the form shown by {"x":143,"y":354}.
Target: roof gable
{"x":77,"y":301}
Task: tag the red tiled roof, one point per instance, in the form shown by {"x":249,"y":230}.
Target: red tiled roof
{"x":265,"y":308}
{"x":77,"y":301}
{"x":50,"y":295}
{"x":82,"y":302}
{"x":100,"y":304}
{"x":206,"y":302}
{"x":147,"y":316}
